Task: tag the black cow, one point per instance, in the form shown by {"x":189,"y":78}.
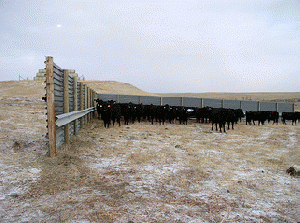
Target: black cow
{"x":116,"y":112}
{"x":99,"y":107}
{"x":293,"y":116}
{"x":231,"y":116}
{"x":171,"y":113}
{"x":149,"y":112}
{"x":273,"y":116}
{"x":104,"y":108}
{"x":161,"y":114}
{"x":127,"y":112}
{"x":239,"y":114}
{"x":219,"y":117}
{"x":260,"y":116}
{"x":138,"y":112}
{"x":182,"y":114}
{"x":203,"y":114}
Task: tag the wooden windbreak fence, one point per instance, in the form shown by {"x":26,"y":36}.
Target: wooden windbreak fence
{"x":70,"y":105}
{"x":201,"y":102}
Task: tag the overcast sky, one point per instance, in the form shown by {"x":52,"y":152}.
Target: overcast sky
{"x":158,"y":46}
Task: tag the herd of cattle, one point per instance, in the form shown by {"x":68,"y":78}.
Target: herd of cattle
{"x":112,"y":112}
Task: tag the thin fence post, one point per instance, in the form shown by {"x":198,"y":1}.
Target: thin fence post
{"x":95,"y":103}
{"x":85,"y":102}
{"x":66,"y":104}
{"x":258,"y":106}
{"x":75,"y":80}
{"x":51,"y":106}
{"x":294,"y":107}
{"x":89,"y":103}
{"x":81,"y":104}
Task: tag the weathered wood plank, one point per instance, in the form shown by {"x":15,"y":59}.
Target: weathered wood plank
{"x":81,"y":103}
{"x":66,"y":103}
{"x":75,"y":106}
{"x":51,"y":107}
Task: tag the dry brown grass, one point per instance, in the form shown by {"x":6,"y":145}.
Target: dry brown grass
{"x":114,"y":87}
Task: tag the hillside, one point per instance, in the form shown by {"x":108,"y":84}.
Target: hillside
{"x":35,"y":89}
{"x":114,"y":87}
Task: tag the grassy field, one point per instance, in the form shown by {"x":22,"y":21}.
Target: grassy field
{"x":143,"y":172}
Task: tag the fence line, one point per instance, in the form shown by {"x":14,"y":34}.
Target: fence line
{"x":69,"y":105}
{"x":200,"y":102}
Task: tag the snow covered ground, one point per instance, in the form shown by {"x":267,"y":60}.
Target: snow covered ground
{"x":146,"y":173}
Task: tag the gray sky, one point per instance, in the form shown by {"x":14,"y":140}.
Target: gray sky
{"x":157,"y":45}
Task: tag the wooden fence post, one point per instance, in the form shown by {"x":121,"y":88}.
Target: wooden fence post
{"x":90,"y":103}
{"x":75,"y":80}
{"x":66,"y":104}
{"x":95,"y":103}
{"x":51,"y":106}
{"x":81,"y":104}
{"x":294,"y":107}
{"x":85,"y":102}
